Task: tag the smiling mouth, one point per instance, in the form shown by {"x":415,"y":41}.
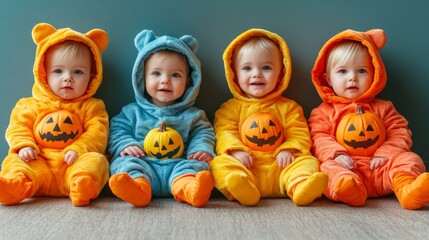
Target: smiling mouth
{"x":352,"y":88}
{"x":257,"y":84}
{"x":165,"y":90}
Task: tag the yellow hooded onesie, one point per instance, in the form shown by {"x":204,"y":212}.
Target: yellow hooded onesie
{"x":300,"y":180}
{"x":403,"y":173}
{"x":49,"y":175}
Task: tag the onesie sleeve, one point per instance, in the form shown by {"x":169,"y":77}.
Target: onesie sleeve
{"x":297,"y":135}
{"x":322,"y":130}
{"x":19,"y":133}
{"x":398,"y":135}
{"x":122,"y":131}
{"x":226,"y":125}
{"x":96,"y":128}
{"x":202,"y":136}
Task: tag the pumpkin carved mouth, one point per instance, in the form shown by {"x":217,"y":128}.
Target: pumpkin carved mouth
{"x":361,"y":144}
{"x":170,"y":154}
{"x":264,"y":141}
{"x":58,"y":137}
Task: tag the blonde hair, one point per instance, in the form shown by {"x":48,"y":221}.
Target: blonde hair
{"x":343,"y":52}
{"x":263,"y":44}
{"x":71,"y":49}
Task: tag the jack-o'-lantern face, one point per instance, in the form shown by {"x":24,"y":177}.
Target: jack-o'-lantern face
{"x":361,"y":133}
{"x":261,"y":132}
{"x":58,"y":129}
{"x":163,"y":143}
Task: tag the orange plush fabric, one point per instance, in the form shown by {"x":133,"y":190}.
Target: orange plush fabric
{"x":354,"y":186}
{"x":49,"y":175}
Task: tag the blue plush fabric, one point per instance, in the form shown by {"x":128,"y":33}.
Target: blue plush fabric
{"x":132,"y":124}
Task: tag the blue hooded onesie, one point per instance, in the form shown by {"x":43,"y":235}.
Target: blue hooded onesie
{"x":135,"y":120}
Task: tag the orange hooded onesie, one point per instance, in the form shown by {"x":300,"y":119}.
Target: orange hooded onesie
{"x":49,"y":175}
{"x":403,"y":173}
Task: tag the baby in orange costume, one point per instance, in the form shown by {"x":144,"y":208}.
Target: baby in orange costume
{"x":348,"y":74}
{"x":57,"y":137}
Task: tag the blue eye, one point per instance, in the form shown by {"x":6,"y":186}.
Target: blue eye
{"x":176,"y":75}
{"x":266,"y":68}
{"x":247,"y":68}
{"x":78,"y":72}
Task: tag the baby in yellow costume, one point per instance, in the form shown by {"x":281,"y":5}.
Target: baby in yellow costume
{"x":58,"y":136}
{"x":263,"y":141}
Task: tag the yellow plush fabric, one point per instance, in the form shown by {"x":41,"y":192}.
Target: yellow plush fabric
{"x":264,"y":179}
{"x":49,"y":174}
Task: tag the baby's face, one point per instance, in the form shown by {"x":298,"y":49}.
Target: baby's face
{"x":257,"y":72}
{"x":166,"y":78}
{"x":68,"y":77}
{"x":353,"y":77}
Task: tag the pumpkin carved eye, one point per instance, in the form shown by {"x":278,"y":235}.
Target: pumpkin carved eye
{"x":361,"y":133}
{"x":163,"y":143}
{"x":58,"y":129}
{"x":261,"y":132}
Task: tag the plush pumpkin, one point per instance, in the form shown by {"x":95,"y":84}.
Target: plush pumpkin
{"x":361,"y":133}
{"x":261,"y":132}
{"x":58,"y":129}
{"x":163,"y":143}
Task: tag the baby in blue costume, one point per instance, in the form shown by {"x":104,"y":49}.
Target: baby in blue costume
{"x":166,"y":79}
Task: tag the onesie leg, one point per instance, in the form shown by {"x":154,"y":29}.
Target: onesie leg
{"x":350,"y":190}
{"x":137,"y":192}
{"x":193,"y":189}
{"x":306,"y":191}
{"x":242,"y":189}
{"x":412,"y":192}
{"x":82,"y":190}
{"x":14,"y":189}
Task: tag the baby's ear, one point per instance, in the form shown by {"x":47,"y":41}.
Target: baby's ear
{"x":378,"y":37}
{"x":191,"y":42}
{"x":143,"y":38}
{"x":42,"y":31}
{"x":99,"y":37}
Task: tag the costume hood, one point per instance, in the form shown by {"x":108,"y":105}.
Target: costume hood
{"x":45,"y":36}
{"x":147,"y":43}
{"x":373,"y":40}
{"x":230,"y":76}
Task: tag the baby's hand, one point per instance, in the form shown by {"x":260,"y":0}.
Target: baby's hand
{"x":70,"y":157}
{"x":201,"y":156}
{"x":284,"y":158}
{"x":245,"y":158}
{"x":377,"y":162}
{"x":133,"y":151}
{"x":27,"y":154}
{"x":346,"y":161}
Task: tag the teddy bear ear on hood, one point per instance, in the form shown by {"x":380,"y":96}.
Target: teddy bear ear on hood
{"x":143,"y":38}
{"x":191,"y":42}
{"x":378,"y":37}
{"x":42,"y":31}
{"x":99,"y":37}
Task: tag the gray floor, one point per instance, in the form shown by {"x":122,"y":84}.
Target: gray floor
{"x":110,"y":218}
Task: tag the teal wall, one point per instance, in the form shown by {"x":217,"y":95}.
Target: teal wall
{"x":306,"y":25}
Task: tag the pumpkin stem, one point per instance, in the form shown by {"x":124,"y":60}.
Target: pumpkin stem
{"x":162,"y":127}
{"x":360,"y":110}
